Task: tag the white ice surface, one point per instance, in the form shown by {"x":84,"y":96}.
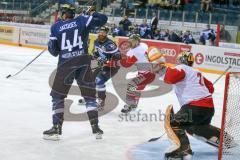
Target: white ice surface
{"x":25,"y":111}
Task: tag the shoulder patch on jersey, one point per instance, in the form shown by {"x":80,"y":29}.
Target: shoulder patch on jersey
{"x":103,"y":48}
{"x":111,"y":47}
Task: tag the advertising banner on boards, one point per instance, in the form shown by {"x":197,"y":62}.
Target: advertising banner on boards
{"x":215,"y":58}
{"x":32,"y":36}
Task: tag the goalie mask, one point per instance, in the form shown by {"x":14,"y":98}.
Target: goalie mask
{"x":186,"y":58}
{"x":68,"y":11}
{"x":155,"y":56}
{"x":157,"y":60}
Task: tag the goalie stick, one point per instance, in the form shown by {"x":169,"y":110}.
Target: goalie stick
{"x":157,"y":138}
{"x":229,"y":67}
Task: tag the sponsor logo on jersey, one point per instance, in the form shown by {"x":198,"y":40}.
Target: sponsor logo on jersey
{"x":72,"y":54}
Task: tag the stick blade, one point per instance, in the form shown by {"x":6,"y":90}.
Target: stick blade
{"x":9,"y":76}
{"x":153,"y":139}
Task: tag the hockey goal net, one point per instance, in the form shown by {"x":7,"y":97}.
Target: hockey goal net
{"x":230,"y":133}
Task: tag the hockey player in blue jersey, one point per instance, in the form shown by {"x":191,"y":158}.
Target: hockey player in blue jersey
{"x":69,"y":41}
{"x":107,"y":54}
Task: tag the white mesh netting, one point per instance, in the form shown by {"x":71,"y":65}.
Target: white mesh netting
{"x":231,"y":139}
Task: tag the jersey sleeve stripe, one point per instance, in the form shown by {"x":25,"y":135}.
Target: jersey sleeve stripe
{"x":114,"y":51}
{"x":53,"y":38}
{"x":89,"y":21}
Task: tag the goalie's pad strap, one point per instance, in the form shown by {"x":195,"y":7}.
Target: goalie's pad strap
{"x":169,"y":130}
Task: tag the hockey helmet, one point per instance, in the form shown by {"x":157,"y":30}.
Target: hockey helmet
{"x":135,"y":37}
{"x":102,"y":35}
{"x":69,"y":10}
{"x":134,"y":40}
{"x":186,"y":58}
{"x":104,"y":28}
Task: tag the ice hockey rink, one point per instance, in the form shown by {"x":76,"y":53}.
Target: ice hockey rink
{"x":26,"y":112}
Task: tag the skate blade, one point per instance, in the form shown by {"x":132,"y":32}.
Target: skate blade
{"x":98,"y":136}
{"x":132,"y":111}
{"x":54,"y":137}
{"x":187,"y":157}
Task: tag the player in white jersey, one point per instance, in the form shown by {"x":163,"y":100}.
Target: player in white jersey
{"x":137,"y":55}
{"x":194,"y":93}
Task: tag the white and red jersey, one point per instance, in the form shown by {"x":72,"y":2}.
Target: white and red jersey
{"x":139,"y":53}
{"x":138,"y":56}
{"x":190,"y":86}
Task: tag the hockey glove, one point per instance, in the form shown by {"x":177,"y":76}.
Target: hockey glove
{"x":101,"y":61}
{"x":91,"y":10}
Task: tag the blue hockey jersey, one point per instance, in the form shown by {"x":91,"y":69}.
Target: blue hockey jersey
{"x":107,"y":50}
{"x":69,"y":39}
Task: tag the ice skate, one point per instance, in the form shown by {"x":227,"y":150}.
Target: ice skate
{"x":128,"y":108}
{"x":97,"y":131}
{"x":53,"y":133}
{"x":179,"y":154}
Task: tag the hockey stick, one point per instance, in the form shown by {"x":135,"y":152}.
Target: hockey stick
{"x":157,"y":138}
{"x":9,"y":76}
{"x":229,"y":67}
{"x":89,"y":3}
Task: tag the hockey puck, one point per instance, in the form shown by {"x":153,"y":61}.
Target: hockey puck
{"x":81,"y":101}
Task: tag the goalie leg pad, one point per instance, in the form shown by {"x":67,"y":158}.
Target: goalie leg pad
{"x":171,"y":131}
{"x":176,"y":132}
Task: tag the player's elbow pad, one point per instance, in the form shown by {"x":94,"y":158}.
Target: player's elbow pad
{"x":99,"y":19}
{"x":53,"y":48}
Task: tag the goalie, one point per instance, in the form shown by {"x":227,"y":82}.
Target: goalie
{"x":194,"y":93}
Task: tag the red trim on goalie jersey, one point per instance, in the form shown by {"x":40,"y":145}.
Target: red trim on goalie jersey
{"x":204,"y":102}
{"x":128,"y":61}
{"x":174,"y":75}
{"x":209,"y":85}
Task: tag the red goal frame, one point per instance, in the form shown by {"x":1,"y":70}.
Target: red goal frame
{"x":224,"y":112}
